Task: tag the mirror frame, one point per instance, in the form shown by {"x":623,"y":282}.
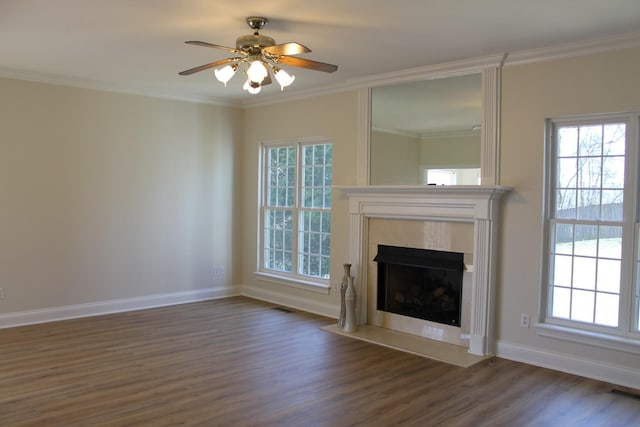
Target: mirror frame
{"x":489,"y":67}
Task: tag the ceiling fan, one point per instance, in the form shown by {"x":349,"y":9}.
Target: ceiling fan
{"x":261,"y":56}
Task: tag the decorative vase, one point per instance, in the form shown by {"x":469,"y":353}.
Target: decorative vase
{"x":343,"y":290}
{"x":350,"y":322}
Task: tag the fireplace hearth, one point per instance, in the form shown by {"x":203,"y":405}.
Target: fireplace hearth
{"x":420,"y":283}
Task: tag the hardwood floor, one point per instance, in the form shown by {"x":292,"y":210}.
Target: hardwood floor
{"x":240,"y":362}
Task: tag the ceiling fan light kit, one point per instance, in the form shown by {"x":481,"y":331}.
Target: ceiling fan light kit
{"x":260,"y":56}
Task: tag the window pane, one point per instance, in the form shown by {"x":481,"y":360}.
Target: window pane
{"x":586,"y":240}
{"x":314,"y":254}
{"x":589,"y":172}
{"x":609,"y":275}
{"x":567,"y":173}
{"x":565,"y":204}
{"x":561,"y":302}
{"x":281,"y":177}
{"x":590,"y":140}
{"x":589,"y":204}
{"x":277,"y":235}
{"x":614,"y":139}
{"x":612,"y":205}
{"x":562,"y":270}
{"x":567,"y":141}
{"x":563,"y":239}
{"x":582,"y":305}
{"x":613,"y":172}
{"x":610,"y":245}
{"x":584,"y":273}
{"x":607,"y":309}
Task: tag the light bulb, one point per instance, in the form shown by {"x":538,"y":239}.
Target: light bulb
{"x":257,"y":71}
{"x":284,"y":78}
{"x":252,"y":87}
{"x":225,"y":73}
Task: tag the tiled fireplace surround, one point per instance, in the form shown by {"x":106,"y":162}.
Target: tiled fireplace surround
{"x":460,"y":219}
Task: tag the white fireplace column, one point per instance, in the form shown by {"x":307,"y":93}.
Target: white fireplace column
{"x":476,"y":204}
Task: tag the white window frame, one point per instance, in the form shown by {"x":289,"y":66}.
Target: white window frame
{"x":625,"y":337}
{"x":293,"y":279}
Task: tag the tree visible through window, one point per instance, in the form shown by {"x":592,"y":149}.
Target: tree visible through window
{"x":296,"y":211}
{"x":589,"y":260}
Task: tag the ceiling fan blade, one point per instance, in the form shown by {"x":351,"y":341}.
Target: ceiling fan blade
{"x":291,"y":48}
{"x":216,"y":46}
{"x":307,"y":63}
{"x":207,"y":66}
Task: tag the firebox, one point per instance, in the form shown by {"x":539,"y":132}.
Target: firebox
{"x":420,"y":283}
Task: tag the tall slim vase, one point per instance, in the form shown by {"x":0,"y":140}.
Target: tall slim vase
{"x":343,"y":290}
{"x":350,"y":322}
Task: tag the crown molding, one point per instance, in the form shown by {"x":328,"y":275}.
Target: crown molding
{"x":395,"y":132}
{"x":447,"y":69}
{"x":568,"y":50}
{"x":461,"y":67}
{"x":79,"y":83}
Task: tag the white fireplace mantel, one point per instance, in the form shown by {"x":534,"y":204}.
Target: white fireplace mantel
{"x":474,"y":204}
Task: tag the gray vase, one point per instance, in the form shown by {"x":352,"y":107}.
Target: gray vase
{"x":350,"y":321}
{"x":343,"y":290}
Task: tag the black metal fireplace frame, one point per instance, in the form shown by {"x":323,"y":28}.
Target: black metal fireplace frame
{"x":430,"y":272}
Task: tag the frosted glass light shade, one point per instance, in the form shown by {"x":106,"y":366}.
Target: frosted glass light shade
{"x":252,"y":87}
{"x":257,"y":71}
{"x":283,"y":78}
{"x":225,"y":73}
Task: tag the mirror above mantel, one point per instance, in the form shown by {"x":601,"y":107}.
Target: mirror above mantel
{"x":434,"y":125}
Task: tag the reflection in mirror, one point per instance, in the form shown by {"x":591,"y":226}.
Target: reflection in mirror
{"x":427,"y":132}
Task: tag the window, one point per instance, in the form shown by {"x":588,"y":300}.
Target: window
{"x":296,"y":212}
{"x":592,"y":275}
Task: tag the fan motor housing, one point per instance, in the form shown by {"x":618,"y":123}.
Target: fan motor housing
{"x":252,"y":40}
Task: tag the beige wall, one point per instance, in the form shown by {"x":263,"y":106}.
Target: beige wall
{"x":601,"y":83}
{"x":451,"y":152}
{"x":395,"y":159}
{"x":333,"y":116}
{"x":109,"y":196}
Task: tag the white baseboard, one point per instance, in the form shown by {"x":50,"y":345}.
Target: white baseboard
{"x":614,"y":374}
{"x":112,"y":306}
{"x":323,"y":309}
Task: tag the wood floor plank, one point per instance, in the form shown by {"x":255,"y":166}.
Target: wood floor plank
{"x":240,"y":362}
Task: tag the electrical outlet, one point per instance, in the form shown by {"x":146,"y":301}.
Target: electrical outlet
{"x":524,"y":320}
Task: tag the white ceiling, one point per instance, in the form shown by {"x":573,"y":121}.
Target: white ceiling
{"x":138,"y":45}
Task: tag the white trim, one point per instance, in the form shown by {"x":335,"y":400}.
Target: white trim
{"x":307,"y":285}
{"x":300,"y":303}
{"x":364,"y":136}
{"x":610,"y":373}
{"x":112,"y":306}
{"x":568,"y":50}
{"x":596,"y":339}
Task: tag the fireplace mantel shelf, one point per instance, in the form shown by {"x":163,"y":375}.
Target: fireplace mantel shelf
{"x":484,"y":191}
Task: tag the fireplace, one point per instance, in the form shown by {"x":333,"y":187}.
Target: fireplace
{"x":420,"y":283}
{"x":476,"y":206}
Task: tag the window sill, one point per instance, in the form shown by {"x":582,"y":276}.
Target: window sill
{"x":596,"y":339}
{"x":307,"y":285}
